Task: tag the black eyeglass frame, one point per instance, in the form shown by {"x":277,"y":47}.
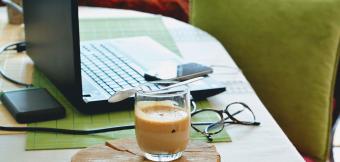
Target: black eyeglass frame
{"x":223,"y":119}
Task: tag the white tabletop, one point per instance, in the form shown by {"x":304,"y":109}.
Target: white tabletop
{"x":262,"y":144}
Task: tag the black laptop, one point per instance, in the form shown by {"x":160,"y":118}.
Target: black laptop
{"x":88,"y":73}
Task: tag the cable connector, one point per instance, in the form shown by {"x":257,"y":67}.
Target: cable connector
{"x":18,"y":47}
{"x":21,"y":46}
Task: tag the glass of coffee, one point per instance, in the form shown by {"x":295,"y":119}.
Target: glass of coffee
{"x":162,"y":120}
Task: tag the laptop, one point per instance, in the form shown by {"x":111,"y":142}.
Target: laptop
{"x":88,"y":73}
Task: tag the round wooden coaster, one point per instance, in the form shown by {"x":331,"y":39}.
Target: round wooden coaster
{"x":128,"y":150}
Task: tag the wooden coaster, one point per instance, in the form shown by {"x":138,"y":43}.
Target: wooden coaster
{"x":128,"y":150}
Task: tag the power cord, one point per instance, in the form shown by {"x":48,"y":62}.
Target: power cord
{"x":82,"y":132}
{"x":66,"y":131}
{"x":18,"y":47}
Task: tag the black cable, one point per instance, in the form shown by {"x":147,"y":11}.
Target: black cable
{"x":66,"y":131}
{"x":93,"y":131}
{"x":84,"y":132}
{"x":13,"y":46}
{"x":74,"y":131}
{"x":18,"y":47}
{"x":14,"y":81}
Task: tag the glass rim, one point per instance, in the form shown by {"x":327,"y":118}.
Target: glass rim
{"x":164,"y":93}
{"x":171,"y":92}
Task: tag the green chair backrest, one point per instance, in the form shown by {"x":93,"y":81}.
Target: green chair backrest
{"x":288,"y":50}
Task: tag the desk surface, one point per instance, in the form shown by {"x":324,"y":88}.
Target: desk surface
{"x":264,"y":143}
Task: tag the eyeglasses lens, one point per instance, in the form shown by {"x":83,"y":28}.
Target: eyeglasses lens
{"x":241,"y":113}
{"x":208,"y":121}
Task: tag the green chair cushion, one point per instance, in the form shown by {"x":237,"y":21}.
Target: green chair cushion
{"x":288,"y":50}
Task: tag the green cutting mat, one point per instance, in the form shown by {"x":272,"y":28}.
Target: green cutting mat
{"x":90,"y":30}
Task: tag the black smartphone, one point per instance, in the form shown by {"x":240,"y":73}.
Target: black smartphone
{"x":179,"y":73}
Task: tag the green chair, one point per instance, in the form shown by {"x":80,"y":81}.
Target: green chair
{"x":288,"y":50}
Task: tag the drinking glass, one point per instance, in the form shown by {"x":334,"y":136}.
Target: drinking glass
{"x":162,"y":121}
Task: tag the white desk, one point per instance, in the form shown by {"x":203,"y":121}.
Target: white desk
{"x":266,"y":143}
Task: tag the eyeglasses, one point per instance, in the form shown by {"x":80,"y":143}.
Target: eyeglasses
{"x":215,"y":120}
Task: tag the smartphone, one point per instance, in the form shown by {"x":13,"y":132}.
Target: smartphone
{"x":178,"y":72}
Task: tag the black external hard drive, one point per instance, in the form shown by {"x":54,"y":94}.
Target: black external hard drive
{"x":32,"y":105}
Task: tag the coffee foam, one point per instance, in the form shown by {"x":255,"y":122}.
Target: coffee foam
{"x":160,"y":111}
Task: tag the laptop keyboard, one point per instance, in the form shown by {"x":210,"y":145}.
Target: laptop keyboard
{"x":109,"y":70}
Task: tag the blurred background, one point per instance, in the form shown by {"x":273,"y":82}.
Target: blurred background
{"x":177,"y":9}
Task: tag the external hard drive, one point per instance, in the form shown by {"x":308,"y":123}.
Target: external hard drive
{"x":32,"y":105}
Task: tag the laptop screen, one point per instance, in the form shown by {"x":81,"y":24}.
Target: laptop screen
{"x":52,"y":36}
